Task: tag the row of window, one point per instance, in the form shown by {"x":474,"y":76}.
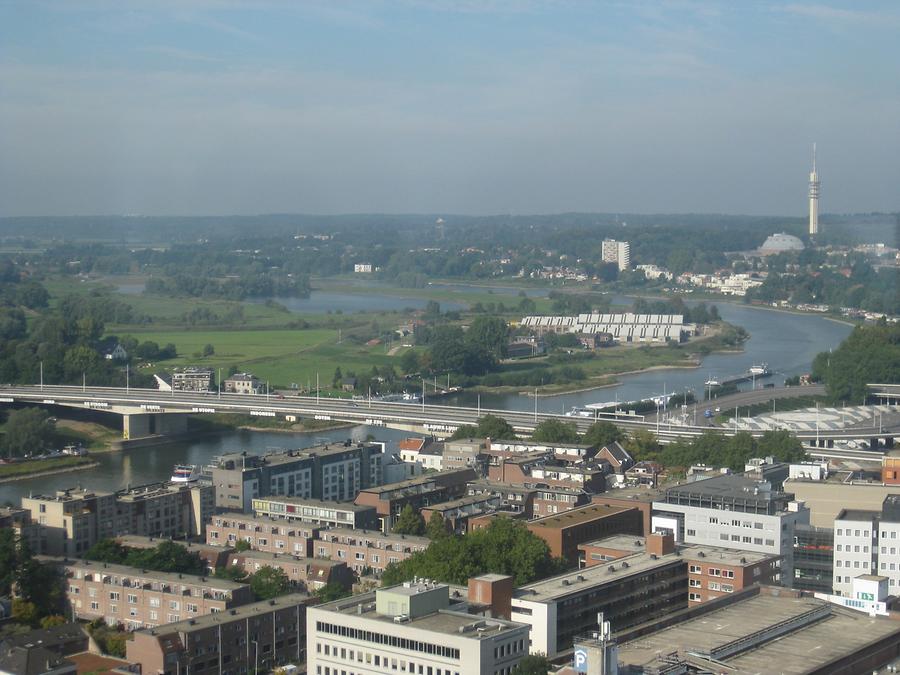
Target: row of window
{"x":712,"y":571}
{"x":391,"y":640}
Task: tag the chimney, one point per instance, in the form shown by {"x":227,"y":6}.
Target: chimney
{"x":495,"y":590}
{"x":660,"y":544}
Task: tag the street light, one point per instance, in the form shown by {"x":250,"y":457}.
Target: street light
{"x":255,"y":657}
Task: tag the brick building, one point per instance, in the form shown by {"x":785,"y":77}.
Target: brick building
{"x":367,"y":550}
{"x":539,"y":469}
{"x":306,"y":574}
{"x":317,"y":512}
{"x":389,"y":500}
{"x":264,"y":634}
{"x":565,"y":531}
{"x":136,"y":598}
{"x":214,"y":556}
{"x":456,"y":512}
{"x":263,"y":533}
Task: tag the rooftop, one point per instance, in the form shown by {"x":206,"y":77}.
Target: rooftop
{"x":579,"y":581}
{"x":468,"y":500}
{"x":316,"y":503}
{"x":373,"y":535}
{"x":235,"y":614}
{"x":807,"y":648}
{"x":271,"y":557}
{"x":857,"y":514}
{"x":173,"y":578}
{"x":577,"y":516}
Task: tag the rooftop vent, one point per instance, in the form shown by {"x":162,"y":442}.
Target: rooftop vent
{"x":611,"y":568}
{"x":701,"y":554}
{"x":624,"y":564}
{"x":653,"y":556}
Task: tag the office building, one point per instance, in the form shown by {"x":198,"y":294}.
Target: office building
{"x":389,"y":500}
{"x":418,"y":627}
{"x":137,"y":598}
{"x":72,"y":521}
{"x":263,"y":533}
{"x":733,"y":511}
{"x":867,"y":543}
{"x":317,"y":512}
{"x":563,"y":532}
{"x":257,"y":636}
{"x":329,"y":472}
{"x":367,"y":551}
{"x":616,"y":252}
{"x":629,"y":591}
{"x":813,"y":559}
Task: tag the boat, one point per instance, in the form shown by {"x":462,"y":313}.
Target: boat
{"x":761,"y":369}
{"x":712,"y":382}
{"x":185,"y":473}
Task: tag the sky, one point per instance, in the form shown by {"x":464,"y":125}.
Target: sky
{"x":207,"y":107}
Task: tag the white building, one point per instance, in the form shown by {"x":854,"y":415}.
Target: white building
{"x":417,"y":627}
{"x":733,"y":511}
{"x":867,"y":542}
{"x":618,"y":252}
{"x":362,"y":268}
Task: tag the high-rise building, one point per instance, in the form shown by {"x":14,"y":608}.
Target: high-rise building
{"x":618,"y":252}
{"x":814,"y":197}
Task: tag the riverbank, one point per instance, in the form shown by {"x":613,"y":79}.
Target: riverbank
{"x":44,"y":467}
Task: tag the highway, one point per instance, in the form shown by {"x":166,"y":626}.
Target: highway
{"x":435,"y":418}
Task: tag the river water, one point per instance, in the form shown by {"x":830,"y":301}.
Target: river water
{"x":786,"y":342}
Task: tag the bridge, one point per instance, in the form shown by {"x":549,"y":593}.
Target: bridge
{"x":150,"y":412}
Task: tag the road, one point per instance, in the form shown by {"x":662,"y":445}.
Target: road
{"x":436,"y":418}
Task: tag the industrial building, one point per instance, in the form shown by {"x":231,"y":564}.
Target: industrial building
{"x":625,"y":327}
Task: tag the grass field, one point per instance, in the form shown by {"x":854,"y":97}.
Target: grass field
{"x":26,"y":468}
{"x":281,"y":357}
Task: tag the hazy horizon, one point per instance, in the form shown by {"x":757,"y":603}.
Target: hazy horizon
{"x":229,"y":107}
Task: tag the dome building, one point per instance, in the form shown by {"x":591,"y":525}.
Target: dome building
{"x":779,"y":243}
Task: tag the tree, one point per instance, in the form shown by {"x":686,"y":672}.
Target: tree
{"x":28,"y":430}
{"x":409,"y":362}
{"x":436,"y":527}
{"x":208,"y":350}
{"x":489,"y":426}
{"x":269,"y":582}
{"x":167,"y":556}
{"x":603,"y":433}
{"x":555,"y":431}
{"x":409,"y":522}
{"x":242,"y":545}
{"x":869,"y":354}
{"x":332,"y":591}
{"x":9,"y":559}
{"x":53,"y":620}
{"x":533,"y":664}
{"x":337,"y":377}
{"x":643,"y":445}
{"x":25,"y":612}
{"x":108,"y":551}
{"x":490,"y":333}
{"x":231,"y":573}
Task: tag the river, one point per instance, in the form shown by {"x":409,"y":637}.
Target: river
{"x":786,"y":342}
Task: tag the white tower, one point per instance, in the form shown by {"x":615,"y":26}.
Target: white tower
{"x":814,"y":197}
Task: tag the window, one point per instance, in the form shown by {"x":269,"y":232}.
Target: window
{"x":695,"y":569}
{"x":691,"y":533}
{"x":695,"y":583}
{"x":714,"y":586}
{"x":132,"y":599}
{"x":113,"y":595}
{"x":695,"y":597}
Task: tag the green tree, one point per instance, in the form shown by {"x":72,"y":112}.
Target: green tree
{"x":53,"y":620}
{"x":231,"y":573}
{"x":167,"y":556}
{"x":555,"y":431}
{"x":409,"y":362}
{"x":533,"y":664}
{"x":28,"y":430}
{"x":108,"y":551}
{"x":643,"y":445}
{"x":337,"y":377}
{"x":489,"y":426}
{"x":436,"y":528}
{"x":242,"y":545}
{"x":26,"y":613}
{"x":781,"y":444}
{"x":409,"y":522}
{"x":208,"y":350}
{"x":269,"y":582}
{"x":332,"y":591}
{"x":603,"y":433}
{"x":9,"y":560}
{"x":490,"y":333}
{"x":116,"y":644}
{"x":869,"y":354}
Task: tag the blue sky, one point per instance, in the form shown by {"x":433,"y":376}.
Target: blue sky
{"x":443,"y":106}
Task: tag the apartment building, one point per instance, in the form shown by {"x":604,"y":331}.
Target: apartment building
{"x":456,"y":512}
{"x":468,"y":453}
{"x":263,"y":533}
{"x":136,"y":598}
{"x":328,"y":472}
{"x":214,"y":556}
{"x":317,"y":512}
{"x":513,"y":498}
{"x":563,"y":532}
{"x":629,"y":591}
{"x":19,"y":521}
{"x":389,"y":500}
{"x":733,"y":511}
{"x":258,"y":635}
{"x":417,"y":627}
{"x":570,"y":453}
{"x":242,"y":383}
{"x":367,"y":551}
{"x":540,"y":469}
{"x":71,"y":521}
{"x":867,"y":543}
{"x":306,"y":574}
{"x":616,"y":252}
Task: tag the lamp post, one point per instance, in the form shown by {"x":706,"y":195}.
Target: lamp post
{"x":42,"y":376}
{"x":255,"y":657}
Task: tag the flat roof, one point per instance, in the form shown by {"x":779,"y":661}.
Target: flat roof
{"x":285,"y":557}
{"x":233,"y":614}
{"x":582,"y":514}
{"x":318,"y":503}
{"x":803,"y":650}
{"x":857,"y":514}
{"x":710,"y":554}
{"x":727,"y":485}
{"x":374,"y":535}
{"x":468,"y":500}
{"x":619,"y":542}
{"x":126,"y":571}
{"x":141,"y":541}
{"x":637,"y":494}
{"x":579,"y":581}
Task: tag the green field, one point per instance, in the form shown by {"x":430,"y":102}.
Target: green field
{"x":36,"y":466}
{"x":280,"y":357}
